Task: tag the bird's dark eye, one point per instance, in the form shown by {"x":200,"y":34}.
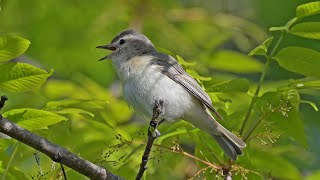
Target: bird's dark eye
{"x":122,"y":41}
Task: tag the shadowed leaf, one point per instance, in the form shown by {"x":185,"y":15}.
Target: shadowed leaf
{"x":300,"y":60}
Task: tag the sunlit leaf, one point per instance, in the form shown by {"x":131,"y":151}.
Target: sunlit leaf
{"x":314,"y":176}
{"x":308,"y":9}
{"x":235,"y":62}
{"x":4,"y":143}
{"x":286,"y":27}
{"x":73,"y":111}
{"x":76,"y":103}
{"x":282,"y":28}
{"x":183,"y":62}
{"x":261,"y":49}
{"x":309,"y":30}
{"x":312,"y":104}
{"x":20,"y":77}
{"x":33,"y":119}
{"x":300,"y":60}
{"x":306,"y":84}
{"x":234,"y":85}
{"x":12,"y":47}
{"x":196,"y":76}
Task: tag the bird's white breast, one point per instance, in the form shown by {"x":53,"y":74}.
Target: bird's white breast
{"x":143,"y":84}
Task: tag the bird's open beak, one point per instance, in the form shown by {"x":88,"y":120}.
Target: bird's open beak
{"x":108,"y":47}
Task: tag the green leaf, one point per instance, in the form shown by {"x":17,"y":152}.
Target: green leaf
{"x":312,"y":104}
{"x":12,"y":47}
{"x":306,"y":85}
{"x":4,"y":143}
{"x":73,"y":111}
{"x":261,"y":49}
{"x":76,"y":103}
{"x":283,"y":112}
{"x":176,"y":132}
{"x":285,"y":27}
{"x":281,"y":28}
{"x":183,"y":62}
{"x":235,"y":62}
{"x":33,"y":119}
{"x":241,"y":85}
{"x":308,"y":9}
{"x":20,"y":77}
{"x":196,"y":76}
{"x":314,"y":176}
{"x":309,"y":30}
{"x":300,"y":60}
{"x":269,"y":163}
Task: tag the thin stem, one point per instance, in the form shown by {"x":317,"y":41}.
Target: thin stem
{"x":254,"y":127}
{"x":183,"y":153}
{"x":10,"y":160}
{"x":63,"y":171}
{"x":263,"y":75}
{"x":190,"y":156}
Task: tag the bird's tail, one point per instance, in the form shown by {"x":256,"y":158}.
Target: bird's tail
{"x":230,"y":143}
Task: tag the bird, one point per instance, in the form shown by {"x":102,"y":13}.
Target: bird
{"x":148,"y":75}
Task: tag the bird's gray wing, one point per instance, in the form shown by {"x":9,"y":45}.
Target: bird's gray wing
{"x":170,"y":67}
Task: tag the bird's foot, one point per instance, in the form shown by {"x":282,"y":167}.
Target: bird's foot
{"x":157,"y":111}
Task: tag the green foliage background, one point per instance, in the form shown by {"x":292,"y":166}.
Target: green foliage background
{"x":79,"y":104}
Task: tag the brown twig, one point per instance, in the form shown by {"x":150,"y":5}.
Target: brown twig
{"x":152,"y":135}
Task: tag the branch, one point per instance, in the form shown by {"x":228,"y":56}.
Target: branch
{"x":262,"y":77}
{"x":55,"y":152}
{"x":152,"y":135}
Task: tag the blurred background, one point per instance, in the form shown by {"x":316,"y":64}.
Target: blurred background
{"x":210,"y":33}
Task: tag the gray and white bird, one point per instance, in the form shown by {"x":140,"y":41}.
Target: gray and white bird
{"x":148,"y":75}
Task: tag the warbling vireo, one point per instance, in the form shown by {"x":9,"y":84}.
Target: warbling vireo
{"x":148,"y":75}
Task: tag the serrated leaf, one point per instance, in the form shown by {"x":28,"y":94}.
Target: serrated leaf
{"x":261,"y":49}
{"x":20,"y":77}
{"x":235,"y":62}
{"x":12,"y":47}
{"x":308,"y":9}
{"x":72,"y":111}
{"x":300,"y":60}
{"x":33,"y":119}
{"x":235,"y":85}
{"x":309,"y":30}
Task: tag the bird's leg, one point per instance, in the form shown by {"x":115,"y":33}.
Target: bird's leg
{"x":157,"y":110}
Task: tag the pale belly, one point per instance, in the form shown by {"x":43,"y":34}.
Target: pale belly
{"x":141,"y":91}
